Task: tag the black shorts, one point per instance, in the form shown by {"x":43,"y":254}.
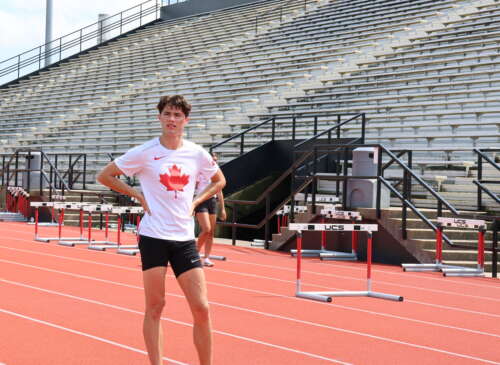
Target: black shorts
{"x":182,"y":255}
{"x":209,"y":205}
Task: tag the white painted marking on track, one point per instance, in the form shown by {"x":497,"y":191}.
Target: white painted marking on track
{"x":290,"y":319}
{"x":239,"y":273}
{"x":289,"y":349}
{"x":344,"y":265}
{"x":257,"y":276}
{"x":97,"y":338}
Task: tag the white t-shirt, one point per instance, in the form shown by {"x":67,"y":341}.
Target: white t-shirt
{"x":168,"y":179}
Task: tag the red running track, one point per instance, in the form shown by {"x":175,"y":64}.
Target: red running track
{"x":65,"y":305}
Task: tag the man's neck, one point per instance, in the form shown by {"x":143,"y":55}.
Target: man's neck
{"x":171,"y":142}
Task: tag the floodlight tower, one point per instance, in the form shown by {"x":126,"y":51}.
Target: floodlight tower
{"x":48,"y":31}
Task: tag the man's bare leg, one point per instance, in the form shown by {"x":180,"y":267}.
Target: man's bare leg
{"x":154,"y":291}
{"x":193,"y":285}
{"x":210,"y":237}
{"x":204,"y":222}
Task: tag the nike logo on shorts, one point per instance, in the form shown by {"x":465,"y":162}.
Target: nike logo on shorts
{"x":158,"y":158}
{"x":194,"y":260}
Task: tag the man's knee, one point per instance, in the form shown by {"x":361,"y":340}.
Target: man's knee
{"x":155,"y":307}
{"x":200,"y":312}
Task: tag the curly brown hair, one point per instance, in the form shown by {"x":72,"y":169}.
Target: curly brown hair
{"x":176,"y":101}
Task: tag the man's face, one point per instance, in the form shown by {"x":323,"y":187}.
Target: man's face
{"x":172,"y":121}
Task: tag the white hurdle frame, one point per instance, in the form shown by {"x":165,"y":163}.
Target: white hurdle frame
{"x":60,"y":206}
{"x":282,"y":214}
{"x":326,"y":296}
{"x":452,"y":270}
{"x":98,"y":208}
{"x":130,"y":250}
{"x":337,"y":255}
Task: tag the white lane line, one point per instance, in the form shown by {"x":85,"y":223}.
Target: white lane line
{"x":350,"y":266}
{"x":343,"y":265}
{"x":100,"y":339}
{"x":327,"y":275}
{"x":284,"y":348}
{"x":282,"y":317}
{"x":303,"y":271}
{"x":260,"y":277}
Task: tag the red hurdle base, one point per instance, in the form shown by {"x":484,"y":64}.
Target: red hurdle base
{"x":326,"y":296}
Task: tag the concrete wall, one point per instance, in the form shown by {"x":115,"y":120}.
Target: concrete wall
{"x":193,"y":7}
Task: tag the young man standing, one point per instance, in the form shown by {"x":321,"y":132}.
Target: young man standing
{"x":168,"y":168}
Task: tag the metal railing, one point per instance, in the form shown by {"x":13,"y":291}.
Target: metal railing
{"x":15,"y":175}
{"x":276,"y":10}
{"x":481,"y":155}
{"x":266,"y":195}
{"x":294,"y":120}
{"x":78,"y":41}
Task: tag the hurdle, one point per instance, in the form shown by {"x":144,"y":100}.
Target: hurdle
{"x":453,"y":270}
{"x":319,"y":198}
{"x":60,"y":207}
{"x":326,"y":296}
{"x":282,"y":214}
{"x":130,"y":250}
{"x":98,"y":208}
{"x":336,"y":255}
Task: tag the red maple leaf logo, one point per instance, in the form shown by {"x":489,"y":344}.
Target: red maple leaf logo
{"x":175,"y":181}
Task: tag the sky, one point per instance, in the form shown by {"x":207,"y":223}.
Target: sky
{"x":22,"y":22}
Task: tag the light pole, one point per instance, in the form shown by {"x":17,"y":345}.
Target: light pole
{"x":48,"y":31}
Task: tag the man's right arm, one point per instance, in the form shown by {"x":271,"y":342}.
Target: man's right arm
{"x":109,"y":177}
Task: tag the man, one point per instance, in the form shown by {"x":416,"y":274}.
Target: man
{"x":206,"y":214}
{"x":168,"y":168}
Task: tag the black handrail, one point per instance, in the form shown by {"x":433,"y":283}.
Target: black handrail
{"x":294,"y":119}
{"x":280,"y":8}
{"x":58,"y":46}
{"x":479,"y":181}
{"x":289,"y":172}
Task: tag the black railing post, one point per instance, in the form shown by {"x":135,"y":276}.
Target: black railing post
{"x":344,"y":181}
{"x":41,"y":172}
{"x":494,"y":248}
{"x":363,"y":124}
{"x":273,"y":128}
{"x":28,"y":173}
{"x":405,"y":205}
{"x":3,"y":170}
{"x":410,"y":165}
{"x":338,"y":126}
{"x":315,"y":125}
{"x":292,"y":189}
{"x":70,"y":172}
{"x":56,"y":160}
{"x":233,"y":227}
{"x":314,"y":180}
{"x":121,"y":22}
{"x":440,"y":209}
{"x":84,"y":170}
{"x":379,"y":182}
{"x":242,"y":143}
{"x":266,"y":226}
{"x":293,"y":129}
{"x":479,"y":178}
{"x":81,"y":36}
{"x":17,"y":168}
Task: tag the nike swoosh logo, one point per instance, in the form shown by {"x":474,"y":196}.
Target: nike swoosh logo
{"x":194,"y":260}
{"x":158,"y":158}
